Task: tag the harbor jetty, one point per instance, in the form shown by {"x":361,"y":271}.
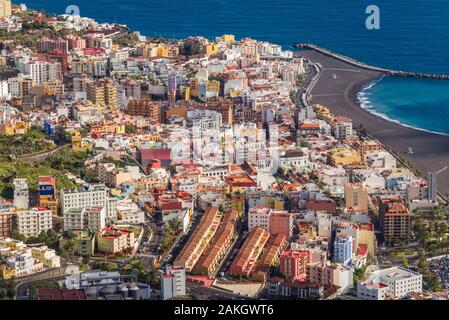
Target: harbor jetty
{"x":362,"y":65}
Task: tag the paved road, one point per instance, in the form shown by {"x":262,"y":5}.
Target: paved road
{"x":23,"y":284}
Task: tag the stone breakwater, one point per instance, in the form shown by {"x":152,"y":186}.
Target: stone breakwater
{"x":362,"y":65}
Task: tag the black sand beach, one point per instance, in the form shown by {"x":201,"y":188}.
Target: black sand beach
{"x":431,"y":151}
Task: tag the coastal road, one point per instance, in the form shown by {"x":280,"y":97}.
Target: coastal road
{"x":339,"y":93}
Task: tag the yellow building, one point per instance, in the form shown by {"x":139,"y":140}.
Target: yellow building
{"x":47,"y":256}
{"x":187,"y":94}
{"x":118,"y":128}
{"x":212,"y":49}
{"x":344,"y":156}
{"x":103,"y":93}
{"x":5,"y":8}
{"x":274,"y":202}
{"x":324,"y":113}
{"x":50,"y":203}
{"x":53,"y":88}
{"x":228,"y":38}
{"x":79,"y":144}
{"x":7,"y":273}
{"x":114,"y":240}
{"x":11,"y":129}
{"x":213,"y":86}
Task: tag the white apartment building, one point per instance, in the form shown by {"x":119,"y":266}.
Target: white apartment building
{"x":395,"y":282}
{"x":343,"y":128}
{"x":42,"y":71}
{"x":173,"y":283}
{"x":93,"y":196}
{"x":128,"y":212}
{"x":92,"y":218}
{"x":24,"y":264}
{"x":21,"y":196}
{"x":33,"y":221}
{"x":4,"y":90}
{"x":259,"y":217}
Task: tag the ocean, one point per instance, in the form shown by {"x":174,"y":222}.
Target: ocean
{"x":413,"y":36}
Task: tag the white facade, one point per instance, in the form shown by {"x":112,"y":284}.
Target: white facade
{"x":258,"y":217}
{"x":32,"y":222}
{"x":21,"y":197}
{"x":4,"y":90}
{"x":24,"y":264}
{"x":394,"y":282}
{"x":92,"y":218}
{"x":94,"y":196}
{"x":173,"y":283}
{"x":42,"y":71}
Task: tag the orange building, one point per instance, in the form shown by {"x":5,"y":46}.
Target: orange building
{"x":199,"y":240}
{"x":247,"y":256}
{"x":270,"y":257}
{"x":211,"y":259}
{"x":145,"y":108}
{"x":395,"y":219}
{"x":294,"y":263}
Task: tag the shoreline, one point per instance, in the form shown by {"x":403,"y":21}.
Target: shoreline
{"x":384,"y":116}
{"x":340,"y":94}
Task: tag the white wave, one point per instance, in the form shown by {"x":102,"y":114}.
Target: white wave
{"x":366,"y":104}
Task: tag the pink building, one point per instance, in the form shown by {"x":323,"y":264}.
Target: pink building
{"x":47,"y":44}
{"x":294,"y":263}
{"x":280,"y":222}
{"x":76,"y":42}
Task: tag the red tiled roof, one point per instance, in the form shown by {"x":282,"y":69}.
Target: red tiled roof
{"x":61,"y":294}
{"x":158,"y":154}
{"x":175,"y":205}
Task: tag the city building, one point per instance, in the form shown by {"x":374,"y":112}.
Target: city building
{"x":8,"y":222}
{"x":244,"y":263}
{"x":114,"y":240}
{"x":343,"y":249}
{"x":395,"y":219}
{"x":32,"y":222}
{"x":293,"y":263}
{"x":144,"y":108}
{"x":5,"y":8}
{"x":92,"y":218}
{"x":356,"y":197}
{"x":47,"y":193}
{"x":92,"y":196}
{"x":173,"y":282}
{"x":269,"y":257}
{"x":343,"y":128}
{"x":394,"y":282}
{"x":211,"y":259}
{"x":103,"y":93}
{"x":21,"y":194}
{"x":327,"y":273}
{"x":433,"y":186}
{"x":84,"y":242}
{"x":47,"y":256}
{"x":199,"y":240}
{"x":271,"y":220}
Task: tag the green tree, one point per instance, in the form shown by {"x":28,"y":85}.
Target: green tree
{"x":15,"y":234}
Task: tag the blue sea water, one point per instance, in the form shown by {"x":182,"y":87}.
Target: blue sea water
{"x":414,"y":36}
